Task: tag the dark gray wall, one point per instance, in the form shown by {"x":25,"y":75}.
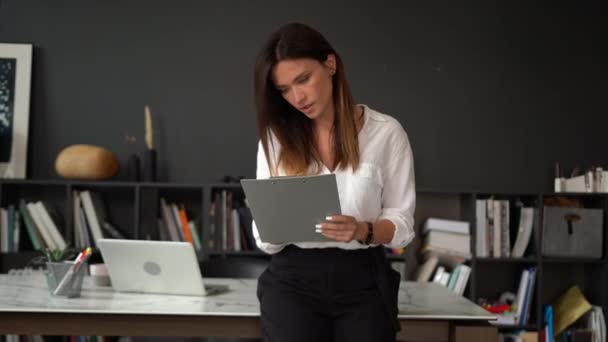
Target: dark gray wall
{"x":491,"y":96}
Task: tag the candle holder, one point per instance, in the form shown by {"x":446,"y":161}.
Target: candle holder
{"x":149,"y":167}
{"x":133,"y":168}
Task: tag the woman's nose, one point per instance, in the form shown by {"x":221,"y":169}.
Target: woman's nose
{"x":298,"y":96}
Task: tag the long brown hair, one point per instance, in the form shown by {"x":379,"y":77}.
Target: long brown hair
{"x":293,"y":130}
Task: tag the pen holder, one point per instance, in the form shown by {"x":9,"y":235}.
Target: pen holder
{"x":56,"y":271}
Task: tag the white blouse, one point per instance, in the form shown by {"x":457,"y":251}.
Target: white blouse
{"x":383,"y":186}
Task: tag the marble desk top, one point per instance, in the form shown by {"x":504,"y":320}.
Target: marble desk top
{"x":28,"y":293}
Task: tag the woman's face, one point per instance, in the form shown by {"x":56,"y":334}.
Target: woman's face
{"x":306,"y":84}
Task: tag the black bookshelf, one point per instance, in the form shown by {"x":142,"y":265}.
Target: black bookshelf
{"x":136,"y":205}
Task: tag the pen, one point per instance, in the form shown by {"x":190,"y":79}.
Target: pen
{"x":85,"y":257}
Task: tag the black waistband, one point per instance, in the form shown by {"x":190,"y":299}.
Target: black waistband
{"x":295,"y":255}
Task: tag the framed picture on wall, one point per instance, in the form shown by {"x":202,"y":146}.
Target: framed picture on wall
{"x":15,"y":79}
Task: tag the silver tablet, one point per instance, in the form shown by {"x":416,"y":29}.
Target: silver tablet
{"x":286,"y":209}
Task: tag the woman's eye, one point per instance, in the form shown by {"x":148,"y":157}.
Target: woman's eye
{"x":304,"y":79}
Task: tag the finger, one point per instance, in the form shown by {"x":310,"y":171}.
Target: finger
{"x":339,"y":227}
{"x":340,"y":218}
{"x":336,"y":236}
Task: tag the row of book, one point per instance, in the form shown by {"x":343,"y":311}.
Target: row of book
{"x":37,"y":219}
{"x":230,"y":223}
{"x":23,"y":338}
{"x":174,"y":224}
{"x":494,"y":234}
{"x":43,"y":226}
{"x":39,"y":338}
{"x":91,"y":220}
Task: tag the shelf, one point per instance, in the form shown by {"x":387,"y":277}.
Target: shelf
{"x":515,"y":327}
{"x":571,"y":260}
{"x":507,"y":260}
{"x":577,"y":194}
{"x":136,"y":205}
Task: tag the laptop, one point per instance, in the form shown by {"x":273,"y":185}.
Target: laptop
{"x":163,"y":267}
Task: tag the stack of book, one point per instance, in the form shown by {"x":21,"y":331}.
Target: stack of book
{"x":445,"y":248}
{"x":449,"y":238}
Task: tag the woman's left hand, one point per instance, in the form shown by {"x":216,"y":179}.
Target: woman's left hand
{"x":342,"y":228}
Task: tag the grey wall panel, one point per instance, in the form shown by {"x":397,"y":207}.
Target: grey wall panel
{"x":491,"y":97}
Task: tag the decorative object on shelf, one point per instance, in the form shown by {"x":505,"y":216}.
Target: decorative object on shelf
{"x":133,"y":169}
{"x":595,"y":179}
{"x":149,"y":167}
{"x":133,"y":165}
{"x":15,"y":79}
{"x":86,"y":162}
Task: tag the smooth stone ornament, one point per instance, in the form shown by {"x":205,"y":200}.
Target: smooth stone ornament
{"x":86,"y":162}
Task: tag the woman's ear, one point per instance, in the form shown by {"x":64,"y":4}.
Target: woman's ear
{"x":330,"y":63}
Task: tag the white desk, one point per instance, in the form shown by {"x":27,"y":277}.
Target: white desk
{"x":425,"y":310}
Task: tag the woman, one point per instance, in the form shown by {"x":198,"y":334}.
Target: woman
{"x":343,"y":290}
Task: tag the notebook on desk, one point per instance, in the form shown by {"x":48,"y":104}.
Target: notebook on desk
{"x":163,"y":267}
{"x":286,"y":209}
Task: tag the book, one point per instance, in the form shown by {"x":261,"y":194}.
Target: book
{"x":50,"y":225}
{"x":169,"y":220}
{"x":426,"y":247}
{"x":453,"y":278}
{"x":44,"y":233}
{"x":451,"y":241}
{"x":445,"y":278}
{"x":529,"y":295}
{"x":30,"y":226}
{"x":451,"y":226}
{"x":438,"y":274}
{"x":91,"y":216}
{"x":505,"y":224}
{"x":524,"y":232}
{"x":481,"y":240}
{"x":521,"y":295}
{"x":195,"y":236}
{"x":425,"y":270}
{"x":184,"y":223}
{"x":497,"y":225}
{"x":463,"y":279}
{"x":3,"y":230}
{"x":450,"y":260}
{"x":178,"y":223}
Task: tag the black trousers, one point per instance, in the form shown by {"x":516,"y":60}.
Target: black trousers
{"x":327,"y":294}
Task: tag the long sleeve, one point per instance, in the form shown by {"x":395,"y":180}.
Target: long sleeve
{"x":399,"y":193}
{"x":262,"y":172}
